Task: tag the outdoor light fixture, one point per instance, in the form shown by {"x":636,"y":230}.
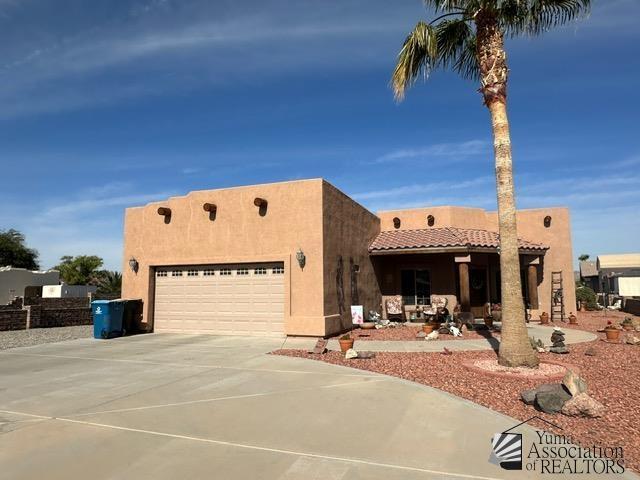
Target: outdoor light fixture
{"x":431,"y":220}
{"x":547,"y":221}
{"x":396,"y":222}
{"x":302,"y":260}
{"x":133,"y":265}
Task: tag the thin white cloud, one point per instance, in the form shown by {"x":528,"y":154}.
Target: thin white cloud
{"x":449,"y":151}
{"x":422,"y":188}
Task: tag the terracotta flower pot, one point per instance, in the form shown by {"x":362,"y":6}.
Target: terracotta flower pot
{"x":583,"y":306}
{"x":573,"y":320}
{"x":613,"y":334}
{"x":427,"y":328}
{"x":544,"y":318}
{"x":346,"y":344}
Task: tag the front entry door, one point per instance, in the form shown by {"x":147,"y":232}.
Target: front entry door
{"x":478,"y":289}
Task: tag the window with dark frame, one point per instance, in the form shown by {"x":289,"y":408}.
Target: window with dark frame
{"x":415,"y":287}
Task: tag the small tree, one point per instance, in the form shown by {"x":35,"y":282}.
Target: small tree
{"x":583,"y":257}
{"x":14,"y":252}
{"x":80,"y":270}
{"x":587,"y":295}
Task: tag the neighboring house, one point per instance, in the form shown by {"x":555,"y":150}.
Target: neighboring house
{"x":68,"y":291}
{"x":13,"y":281}
{"x":620,"y":274}
{"x":589,"y":275}
{"x":290,"y":258}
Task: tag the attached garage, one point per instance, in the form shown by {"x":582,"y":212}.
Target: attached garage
{"x":231,"y":299}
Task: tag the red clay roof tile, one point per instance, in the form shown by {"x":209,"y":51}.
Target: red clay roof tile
{"x":442,"y":238}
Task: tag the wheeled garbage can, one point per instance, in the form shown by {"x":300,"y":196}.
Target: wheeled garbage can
{"x":107,"y":318}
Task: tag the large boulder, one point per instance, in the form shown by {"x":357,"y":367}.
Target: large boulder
{"x":528,"y":396}
{"x":550,"y":398}
{"x":574,"y":383}
{"x":582,"y":405}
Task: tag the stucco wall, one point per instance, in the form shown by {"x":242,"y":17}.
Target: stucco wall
{"x":559,"y":257}
{"x":238,"y":234}
{"x":348,"y":230}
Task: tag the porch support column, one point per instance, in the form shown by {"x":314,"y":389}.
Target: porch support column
{"x":532,"y":278}
{"x":463,"y":270}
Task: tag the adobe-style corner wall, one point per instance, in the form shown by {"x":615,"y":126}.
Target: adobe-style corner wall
{"x":238,"y":234}
{"x":349,"y":276}
{"x":559,"y":257}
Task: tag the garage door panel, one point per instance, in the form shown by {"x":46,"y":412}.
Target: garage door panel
{"x":243,"y":299}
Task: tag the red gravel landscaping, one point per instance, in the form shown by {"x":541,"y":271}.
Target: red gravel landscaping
{"x":408,"y":333}
{"x":612,"y":377}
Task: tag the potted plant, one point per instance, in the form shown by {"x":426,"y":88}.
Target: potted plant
{"x":586,"y":298}
{"x":573,"y":320}
{"x":612,"y":333}
{"x":544,"y":318}
{"x":627,"y":323}
{"x":346,"y":342}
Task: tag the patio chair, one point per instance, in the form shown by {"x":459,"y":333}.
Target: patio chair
{"x":393,"y":306}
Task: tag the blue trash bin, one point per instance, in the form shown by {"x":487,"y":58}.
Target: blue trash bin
{"x":107,"y":318}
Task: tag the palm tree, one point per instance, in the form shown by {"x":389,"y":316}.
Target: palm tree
{"x":467,"y":36}
{"x":109,"y":282}
{"x":584,"y":257}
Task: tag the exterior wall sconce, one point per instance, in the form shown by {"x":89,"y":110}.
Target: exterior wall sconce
{"x":547,"y":221}
{"x":302,"y":259}
{"x":212,"y":209}
{"x":133,"y":265}
{"x":166,"y":213}
{"x":261,"y":203}
{"x":431,"y":220}
{"x":396,"y":222}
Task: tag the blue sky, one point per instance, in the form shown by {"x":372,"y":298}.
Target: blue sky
{"x":108,"y":104}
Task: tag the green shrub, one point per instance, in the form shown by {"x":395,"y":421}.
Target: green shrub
{"x":587,"y":295}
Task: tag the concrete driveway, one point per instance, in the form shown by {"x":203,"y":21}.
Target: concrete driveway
{"x":189,"y":407}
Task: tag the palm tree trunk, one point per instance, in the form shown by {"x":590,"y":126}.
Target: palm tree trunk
{"x":515,"y":348}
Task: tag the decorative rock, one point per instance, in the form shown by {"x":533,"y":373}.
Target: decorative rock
{"x":366,"y":355}
{"x":591,"y":352}
{"x":351,"y":353}
{"x":582,"y":405}
{"x":557,"y":340}
{"x":632,"y":340}
{"x":432,"y":336}
{"x":551,"y":399}
{"x":541,"y":350}
{"x":528,"y":396}
{"x":574,"y":384}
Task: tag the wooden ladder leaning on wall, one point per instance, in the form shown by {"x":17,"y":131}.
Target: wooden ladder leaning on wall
{"x":557,"y":297}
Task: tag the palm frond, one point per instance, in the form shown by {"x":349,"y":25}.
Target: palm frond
{"x":452,"y":36}
{"x":418,"y":55}
{"x":466,"y":64}
{"x":534,"y":17}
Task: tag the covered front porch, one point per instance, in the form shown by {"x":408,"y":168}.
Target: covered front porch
{"x":461,"y":265}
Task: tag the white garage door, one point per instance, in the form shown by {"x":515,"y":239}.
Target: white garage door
{"x":243,"y":299}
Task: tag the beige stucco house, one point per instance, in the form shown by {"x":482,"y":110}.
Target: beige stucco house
{"x":292,"y":257}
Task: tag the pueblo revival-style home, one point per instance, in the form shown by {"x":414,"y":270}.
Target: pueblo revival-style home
{"x":292,"y":257}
